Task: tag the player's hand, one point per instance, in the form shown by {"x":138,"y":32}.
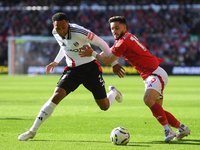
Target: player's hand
{"x":86,"y":51}
{"x":50,"y":67}
{"x":119,"y":70}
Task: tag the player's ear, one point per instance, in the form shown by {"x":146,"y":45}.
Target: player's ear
{"x":124,"y":26}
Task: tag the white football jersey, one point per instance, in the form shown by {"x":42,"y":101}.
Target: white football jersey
{"x":76,"y":38}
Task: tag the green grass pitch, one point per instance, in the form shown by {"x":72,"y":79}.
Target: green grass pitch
{"x":78,"y":124}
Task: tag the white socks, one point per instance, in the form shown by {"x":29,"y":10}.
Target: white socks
{"x":111,"y":97}
{"x":46,"y":111}
{"x":181,"y":127}
{"x":166,"y":127}
{"x":48,"y":108}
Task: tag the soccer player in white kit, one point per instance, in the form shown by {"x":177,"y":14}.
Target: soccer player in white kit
{"x":79,"y":70}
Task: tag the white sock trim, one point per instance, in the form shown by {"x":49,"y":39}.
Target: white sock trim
{"x":111,"y":97}
{"x":45,"y":112}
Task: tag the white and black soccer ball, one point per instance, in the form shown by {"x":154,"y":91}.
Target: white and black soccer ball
{"x":120,"y":136}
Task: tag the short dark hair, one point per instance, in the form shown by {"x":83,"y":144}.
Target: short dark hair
{"x":59,"y":17}
{"x":120,"y":19}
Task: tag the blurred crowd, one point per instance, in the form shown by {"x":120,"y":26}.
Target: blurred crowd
{"x":171,"y":34}
{"x":92,"y":2}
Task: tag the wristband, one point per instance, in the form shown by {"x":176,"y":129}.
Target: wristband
{"x":114,"y":63}
{"x":94,"y":54}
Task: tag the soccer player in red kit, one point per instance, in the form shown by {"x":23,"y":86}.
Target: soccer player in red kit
{"x":154,"y":77}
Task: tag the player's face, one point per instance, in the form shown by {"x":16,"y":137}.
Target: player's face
{"x":61,"y":27}
{"x":118,"y":29}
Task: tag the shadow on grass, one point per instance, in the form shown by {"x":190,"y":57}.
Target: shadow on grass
{"x":181,"y":142}
{"x":134,"y":144}
{"x":73,"y":141}
{"x":14,"y":119}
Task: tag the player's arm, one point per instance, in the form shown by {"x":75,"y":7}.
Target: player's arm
{"x":102,"y":45}
{"x":88,"y":51}
{"x":117,"y":68}
{"x":58,"y":58}
{"x":107,"y":60}
{"x":50,"y":67}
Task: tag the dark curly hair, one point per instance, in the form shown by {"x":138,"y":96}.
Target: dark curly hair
{"x":120,"y":19}
{"x":59,"y":17}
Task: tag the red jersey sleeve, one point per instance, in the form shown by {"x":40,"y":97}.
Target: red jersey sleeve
{"x":118,"y":48}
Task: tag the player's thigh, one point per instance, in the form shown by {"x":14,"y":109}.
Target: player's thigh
{"x":96,"y":85}
{"x":156,"y":83}
{"x":68,"y":81}
{"x":150,"y":97}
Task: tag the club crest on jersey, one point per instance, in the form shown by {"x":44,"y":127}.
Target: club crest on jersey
{"x":76,"y":44}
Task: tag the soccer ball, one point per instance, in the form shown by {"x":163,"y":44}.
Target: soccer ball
{"x":120,"y":136}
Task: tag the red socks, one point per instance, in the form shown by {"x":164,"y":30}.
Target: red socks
{"x":159,"y":113}
{"x":172,"y":120}
{"x":163,"y":116}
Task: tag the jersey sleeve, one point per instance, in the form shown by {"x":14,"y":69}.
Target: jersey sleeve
{"x":118,"y":49}
{"x":59,"y":56}
{"x":95,"y":40}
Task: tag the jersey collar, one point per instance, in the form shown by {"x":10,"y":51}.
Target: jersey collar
{"x":125,"y":35}
{"x":69,"y":36}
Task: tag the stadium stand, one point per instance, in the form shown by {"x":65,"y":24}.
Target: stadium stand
{"x":171,"y":33}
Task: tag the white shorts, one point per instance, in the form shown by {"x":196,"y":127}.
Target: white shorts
{"x":157,"y":81}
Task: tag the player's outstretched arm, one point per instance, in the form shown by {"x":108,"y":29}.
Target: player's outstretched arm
{"x":107,"y":60}
{"x":50,"y":67}
{"x":87,"y":51}
{"x":119,"y":70}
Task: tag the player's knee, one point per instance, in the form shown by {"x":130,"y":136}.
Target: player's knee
{"x":149,"y":102}
{"x":56,"y":98}
{"x":58,"y":95}
{"x":104,"y":108}
{"x":103,"y":104}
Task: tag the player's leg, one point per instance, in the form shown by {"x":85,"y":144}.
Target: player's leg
{"x":96,"y":84}
{"x":154,"y":86}
{"x":158,"y":112}
{"x":105,"y":103}
{"x":103,"y":100}
{"x":173,"y":122}
{"x":47,"y":109}
{"x":182,"y":129}
{"x":45,"y":112}
{"x":118,"y":97}
{"x":171,"y":119}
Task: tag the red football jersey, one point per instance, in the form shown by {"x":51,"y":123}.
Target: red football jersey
{"x":136,"y":54}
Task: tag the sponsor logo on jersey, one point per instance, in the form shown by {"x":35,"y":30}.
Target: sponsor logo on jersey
{"x":63,"y":44}
{"x":76,"y":44}
{"x":74,"y":50}
{"x":91,"y":36}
